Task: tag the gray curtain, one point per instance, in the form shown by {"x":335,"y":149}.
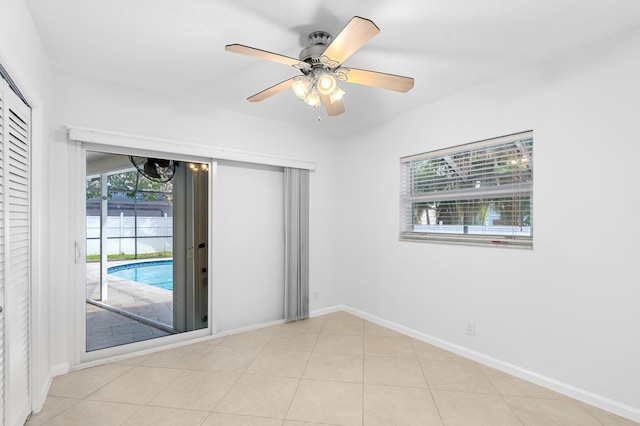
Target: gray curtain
{"x":296,"y":245}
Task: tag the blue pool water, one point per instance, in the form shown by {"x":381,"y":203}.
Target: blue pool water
{"x":158,"y":273}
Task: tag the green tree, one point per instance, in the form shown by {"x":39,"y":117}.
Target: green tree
{"x":132,"y":184}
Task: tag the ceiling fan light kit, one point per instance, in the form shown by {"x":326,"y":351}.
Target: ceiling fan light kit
{"x":336,"y":95}
{"x":313,"y":98}
{"x":301,"y":86}
{"x":326,"y":83}
{"x":321,"y":66}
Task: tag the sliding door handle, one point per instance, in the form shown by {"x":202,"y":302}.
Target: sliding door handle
{"x":78,"y":253}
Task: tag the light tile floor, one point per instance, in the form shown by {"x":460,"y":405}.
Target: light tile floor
{"x":332,"y":370}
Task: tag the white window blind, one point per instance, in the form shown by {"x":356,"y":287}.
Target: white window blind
{"x":478,"y":193}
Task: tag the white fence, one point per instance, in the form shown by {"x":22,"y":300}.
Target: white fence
{"x":154,"y":234}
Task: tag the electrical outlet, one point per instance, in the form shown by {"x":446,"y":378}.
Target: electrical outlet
{"x":316,"y":296}
{"x":471,"y":328}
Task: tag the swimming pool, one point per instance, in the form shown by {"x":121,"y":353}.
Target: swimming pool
{"x":157,"y":273}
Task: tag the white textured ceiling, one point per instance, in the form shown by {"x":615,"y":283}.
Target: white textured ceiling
{"x":176,"y":47}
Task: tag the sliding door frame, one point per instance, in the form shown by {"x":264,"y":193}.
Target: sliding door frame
{"x":81,"y":357}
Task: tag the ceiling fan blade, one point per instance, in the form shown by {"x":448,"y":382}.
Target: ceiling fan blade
{"x":379,"y":79}
{"x":263,"y":54}
{"x":277,"y":88}
{"x":333,"y":109}
{"x":352,"y":37}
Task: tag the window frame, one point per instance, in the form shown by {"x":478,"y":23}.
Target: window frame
{"x":463,"y":192}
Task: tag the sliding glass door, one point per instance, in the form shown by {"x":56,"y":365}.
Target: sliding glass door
{"x":147,"y":248}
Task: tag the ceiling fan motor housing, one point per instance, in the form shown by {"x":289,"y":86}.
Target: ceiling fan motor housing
{"x":318,"y":43}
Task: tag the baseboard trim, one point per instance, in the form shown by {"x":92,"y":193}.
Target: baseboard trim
{"x":325,"y":311}
{"x":247,"y":328}
{"x":59,"y":369}
{"x":37,"y":400}
{"x":531,"y":376}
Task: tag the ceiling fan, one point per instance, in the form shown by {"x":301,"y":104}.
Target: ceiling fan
{"x":321,"y":67}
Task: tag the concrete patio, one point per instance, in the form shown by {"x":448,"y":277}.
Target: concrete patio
{"x":106,"y":328}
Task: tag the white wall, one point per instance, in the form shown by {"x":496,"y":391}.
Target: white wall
{"x":568,"y":309}
{"x":23,"y":56}
{"x":112,"y":107}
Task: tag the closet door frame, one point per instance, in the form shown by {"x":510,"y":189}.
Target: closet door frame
{"x":16,"y":272}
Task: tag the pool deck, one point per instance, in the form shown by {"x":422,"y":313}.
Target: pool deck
{"x":106,"y":328}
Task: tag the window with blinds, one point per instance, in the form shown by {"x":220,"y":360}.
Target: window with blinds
{"x":477,"y":193}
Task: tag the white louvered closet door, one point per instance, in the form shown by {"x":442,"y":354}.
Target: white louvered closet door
{"x":2,"y":239}
{"x":15,"y":135}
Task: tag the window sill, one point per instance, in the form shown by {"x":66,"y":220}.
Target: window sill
{"x":499,"y":241}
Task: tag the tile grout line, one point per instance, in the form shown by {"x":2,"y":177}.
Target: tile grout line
{"x":498,"y":393}
{"x":303,"y":371}
{"x":145,"y":404}
{"x":244,"y":370}
{"x":185,"y":370}
{"x":85,"y":398}
{"x":433,"y":399}
{"x":502,"y":397}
